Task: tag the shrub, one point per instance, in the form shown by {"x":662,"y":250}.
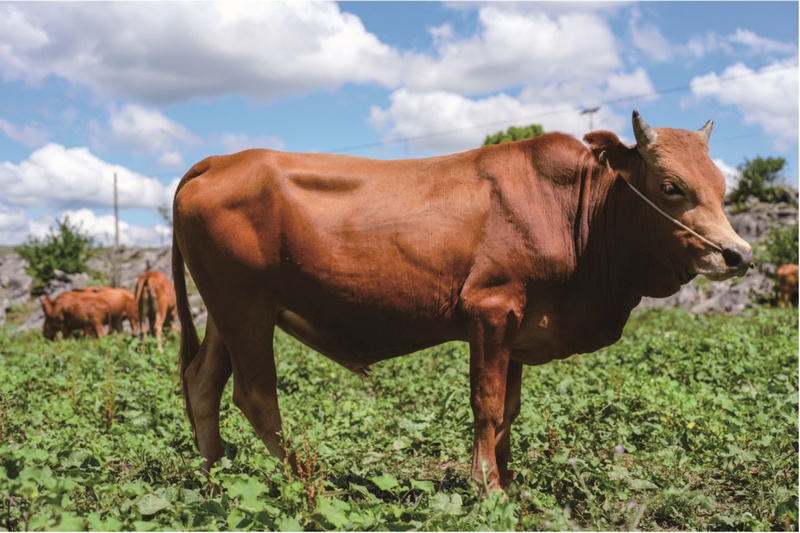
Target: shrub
{"x":763,"y":179}
{"x":65,"y":248}
{"x":780,"y":248}
{"x":514,"y":133}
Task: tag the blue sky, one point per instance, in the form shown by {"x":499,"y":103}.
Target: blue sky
{"x":145,"y":90}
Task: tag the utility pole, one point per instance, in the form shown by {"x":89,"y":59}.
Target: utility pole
{"x":590,"y":111}
{"x":115,"y":281}
{"x":116,"y":215}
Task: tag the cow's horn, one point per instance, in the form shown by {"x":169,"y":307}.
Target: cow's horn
{"x":705,"y":131}
{"x":644,"y":134}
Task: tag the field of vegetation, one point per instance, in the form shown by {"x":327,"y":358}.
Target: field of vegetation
{"x":688,"y":423}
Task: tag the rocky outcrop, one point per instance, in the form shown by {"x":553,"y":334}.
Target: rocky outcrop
{"x":15,"y":284}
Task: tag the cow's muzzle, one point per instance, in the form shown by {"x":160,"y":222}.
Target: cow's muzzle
{"x":738,"y":259}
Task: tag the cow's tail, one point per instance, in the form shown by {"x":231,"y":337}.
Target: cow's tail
{"x":190,"y":342}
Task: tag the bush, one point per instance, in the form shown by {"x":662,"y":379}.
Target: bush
{"x":514,"y":133}
{"x":763,"y":179}
{"x":65,"y":248}
{"x":780,"y":248}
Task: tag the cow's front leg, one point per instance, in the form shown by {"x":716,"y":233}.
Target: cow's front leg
{"x":491,"y":340}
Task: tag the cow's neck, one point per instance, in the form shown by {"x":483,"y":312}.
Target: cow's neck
{"x":619,"y":259}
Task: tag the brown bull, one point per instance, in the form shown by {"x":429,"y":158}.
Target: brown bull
{"x":155,"y":299}
{"x":122,"y":303}
{"x":528,"y":251}
{"x":75,"y":310}
{"x":786,"y":285}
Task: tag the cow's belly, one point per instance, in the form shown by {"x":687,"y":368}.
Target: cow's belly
{"x":371,"y":341}
{"x":573,"y":330}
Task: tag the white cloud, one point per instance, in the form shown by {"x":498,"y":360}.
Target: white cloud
{"x":183,"y":50}
{"x":514,"y":47}
{"x":58,"y":177}
{"x":769,"y":99}
{"x":759,"y":44}
{"x":171,"y":160}
{"x":732,"y":174}
{"x":199,"y":50}
{"x":13,"y":225}
{"x":146,"y":130}
{"x":466,"y":121}
{"x":30,"y":135}
{"x":236,"y":142}
{"x":100,"y":227}
{"x":647,"y":37}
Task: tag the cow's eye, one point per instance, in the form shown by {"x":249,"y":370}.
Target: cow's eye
{"x":671,"y":190}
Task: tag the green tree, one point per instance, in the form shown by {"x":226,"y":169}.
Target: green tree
{"x":762,"y":178}
{"x":165,"y":212}
{"x":65,"y":248}
{"x":780,"y":247}
{"x":514,"y":133}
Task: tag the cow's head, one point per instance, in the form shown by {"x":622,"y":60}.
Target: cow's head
{"x":672,"y":168}
{"x":52,"y":324}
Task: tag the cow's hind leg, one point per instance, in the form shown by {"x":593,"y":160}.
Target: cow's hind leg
{"x":206,"y":377}
{"x":160,"y":316}
{"x":248,"y":337}
{"x":510,"y":413}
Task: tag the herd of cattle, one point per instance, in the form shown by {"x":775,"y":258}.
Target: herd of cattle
{"x":89,"y":311}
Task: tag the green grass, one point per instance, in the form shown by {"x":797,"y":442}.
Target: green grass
{"x":685,"y":424}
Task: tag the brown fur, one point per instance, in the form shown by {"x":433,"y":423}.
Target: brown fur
{"x":73,"y":311}
{"x":786,"y":284}
{"x":528,"y":251}
{"x":155,"y":300}
{"x":122,"y":303}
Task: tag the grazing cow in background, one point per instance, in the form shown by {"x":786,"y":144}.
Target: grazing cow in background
{"x":529,"y":251}
{"x":786,"y":283}
{"x":75,"y":310}
{"x":155,"y":299}
{"x":123,"y":307}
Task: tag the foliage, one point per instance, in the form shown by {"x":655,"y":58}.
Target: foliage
{"x":685,"y":424}
{"x":65,"y":248}
{"x":763,"y":179}
{"x":514,"y":133}
{"x":165,"y":212}
{"x":781,"y":245}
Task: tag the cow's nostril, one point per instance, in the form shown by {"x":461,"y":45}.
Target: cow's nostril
{"x":732,"y":257}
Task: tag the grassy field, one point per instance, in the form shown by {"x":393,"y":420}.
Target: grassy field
{"x":686,"y":424}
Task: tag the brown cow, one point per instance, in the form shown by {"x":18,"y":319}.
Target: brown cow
{"x":75,"y":310}
{"x":155,"y":299}
{"x":529,"y":251}
{"x":123,"y":307}
{"x":786,"y":283}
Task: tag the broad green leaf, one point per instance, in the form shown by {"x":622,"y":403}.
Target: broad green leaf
{"x":98,"y":522}
{"x":641,"y":484}
{"x":246,"y":489}
{"x":425,"y":486}
{"x":333,"y":512}
{"x":446,"y":504}
{"x":384,"y":482}
{"x":285,"y":523}
{"x":150,"y":504}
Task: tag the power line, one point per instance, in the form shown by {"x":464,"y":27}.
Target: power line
{"x":571,"y":109}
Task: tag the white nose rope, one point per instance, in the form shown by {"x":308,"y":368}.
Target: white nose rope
{"x":670,"y":218}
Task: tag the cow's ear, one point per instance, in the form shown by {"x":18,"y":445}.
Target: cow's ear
{"x":608,"y":150}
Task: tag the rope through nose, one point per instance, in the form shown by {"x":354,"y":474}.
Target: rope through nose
{"x":670,"y":218}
